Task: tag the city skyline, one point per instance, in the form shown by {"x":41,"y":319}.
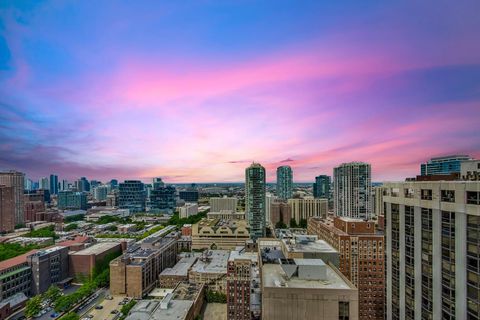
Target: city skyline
{"x":197,"y":92}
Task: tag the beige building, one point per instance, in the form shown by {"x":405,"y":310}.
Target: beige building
{"x":306,"y":289}
{"x":211,"y":270}
{"x":470,"y":170}
{"x":136,"y":272}
{"x":219,"y":234}
{"x":227,"y":215}
{"x":170,"y":277}
{"x":189,"y":209}
{"x":217,"y":204}
{"x":306,"y":208}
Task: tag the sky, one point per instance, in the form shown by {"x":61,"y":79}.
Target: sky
{"x":194,"y":91}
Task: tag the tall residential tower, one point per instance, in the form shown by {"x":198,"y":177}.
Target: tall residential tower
{"x":255,"y":199}
{"x":284,"y":182}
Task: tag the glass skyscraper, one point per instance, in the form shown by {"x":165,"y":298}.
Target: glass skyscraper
{"x":321,"y":187}
{"x":443,"y":165}
{"x":132,"y":196}
{"x":284,"y":182}
{"x":162,"y":197}
{"x":255,"y":199}
{"x":53,"y":184}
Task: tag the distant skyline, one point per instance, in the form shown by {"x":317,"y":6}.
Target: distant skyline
{"x":196,"y":91}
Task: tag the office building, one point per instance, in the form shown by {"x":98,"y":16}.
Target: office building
{"x":255,"y":200}
{"x":162,"y":197}
{"x":137,"y":271}
{"x":32,"y":207}
{"x":432,"y":240}
{"x":82,"y":262}
{"x":353,"y":187}
{"x":100,"y":193}
{"x":302,"y":209}
{"x":321,"y":187}
{"x":114,"y":184}
{"x":7,"y":209}
{"x":70,"y":200}
{"x":132,"y":196}
{"x":64,"y":185}
{"x":470,"y":170}
{"x":211,"y":270}
{"x":226,"y":215}
{"x":44,"y":184}
{"x":443,"y":165}
{"x":218,"y":204}
{"x":15,"y":276}
{"x":171,"y":277}
{"x":190,"y":194}
{"x":49,"y":266}
{"x":219,"y":234}
{"x":243,"y":285}
{"x":362,"y":258}
{"x":284,"y":182}
{"x":82,"y":185}
{"x":280,"y":213}
{"x":303,"y":289}
{"x":269,"y":199}
{"x":189,"y":209}
{"x":15,"y":179}
{"x":53,"y":184}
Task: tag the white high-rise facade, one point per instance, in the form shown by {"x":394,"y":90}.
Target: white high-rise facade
{"x":353,"y":188}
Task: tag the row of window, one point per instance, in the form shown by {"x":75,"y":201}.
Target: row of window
{"x":471,"y":197}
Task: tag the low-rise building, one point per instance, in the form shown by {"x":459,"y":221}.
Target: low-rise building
{"x":189,"y":209}
{"x":219,"y":234}
{"x":83,"y":261}
{"x":136,"y":272}
{"x":226,"y":215}
{"x":218,"y":203}
{"x":127,"y":228}
{"x":302,"y":209}
{"x":186,"y":230}
{"x":170,"y":277}
{"x":211,"y":270}
{"x":310,"y":247}
{"x":15,"y":276}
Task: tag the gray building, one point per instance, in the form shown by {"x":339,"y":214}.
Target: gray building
{"x":353,"y":188}
{"x":443,"y":165}
{"x":321,"y":187}
{"x":284,"y":182}
{"x":53,"y":184}
{"x":255,"y":200}
{"x":132,"y":196}
{"x":49,"y":266}
{"x":69,"y":200}
{"x":432,"y":235}
{"x":15,"y":179}
{"x":163,"y":198}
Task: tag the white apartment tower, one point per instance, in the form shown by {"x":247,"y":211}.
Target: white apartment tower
{"x":353,"y":188}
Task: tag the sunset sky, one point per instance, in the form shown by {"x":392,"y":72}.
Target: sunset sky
{"x":194,"y":91}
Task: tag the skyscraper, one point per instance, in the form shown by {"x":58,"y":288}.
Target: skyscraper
{"x":443,"y":165}
{"x":162,"y":197}
{"x":15,"y":179}
{"x":7,"y":209}
{"x":70,"y":200}
{"x":284,"y":182}
{"x":53,"y":184}
{"x":353,"y":187}
{"x":132,"y":196}
{"x":321,"y":187}
{"x":432,"y":235}
{"x":83,"y":185}
{"x":43,"y":184}
{"x":255,"y":199}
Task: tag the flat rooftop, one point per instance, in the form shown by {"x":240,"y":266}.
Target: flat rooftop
{"x":242,"y":254}
{"x":274,"y":277}
{"x":295,"y":245}
{"x":150,"y":309}
{"x":181,"y":268}
{"x":97,"y":248}
{"x":216,"y":262}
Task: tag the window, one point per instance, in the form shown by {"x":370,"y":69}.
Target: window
{"x":426,"y":194}
{"x":473,"y":197}
{"x":343,"y":310}
{"x":448,"y":195}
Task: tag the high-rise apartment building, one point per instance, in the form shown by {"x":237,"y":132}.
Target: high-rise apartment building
{"x":255,"y":189}
{"x":15,"y":179}
{"x":269,"y":199}
{"x":432,"y":236}
{"x":53,"y":184}
{"x":284,"y":182}
{"x":353,"y":187}
{"x":218,"y":204}
{"x":302,"y":209}
{"x":443,"y":165}
{"x":321,"y":187}
{"x":280,"y":213}
{"x":132,"y":196}
{"x":362,"y":258}
{"x":7,"y":209}
{"x":44,"y":184}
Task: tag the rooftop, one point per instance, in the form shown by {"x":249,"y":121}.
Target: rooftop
{"x":181,"y":268}
{"x":6,"y":264}
{"x":151,"y":309}
{"x":214,"y":261}
{"x":307,"y":244}
{"x":274,"y":277}
{"x":97,"y":248}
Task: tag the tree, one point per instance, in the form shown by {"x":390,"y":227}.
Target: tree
{"x":33,"y":306}
{"x":127,"y":307}
{"x":52,"y":293}
{"x":70,"y":316}
{"x":216,"y":297}
{"x":280,"y":225}
{"x":71,"y":227}
{"x":303,"y":223}
{"x":293,"y":223}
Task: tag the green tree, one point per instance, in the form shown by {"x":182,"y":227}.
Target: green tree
{"x":127,"y":307}
{"x":70,"y":316}
{"x":293,"y":223}
{"x":280,"y":225}
{"x":47,"y":232}
{"x":33,"y":306}
{"x":52,"y":293}
{"x":303,"y":223}
{"x":76,"y":217}
{"x":216,"y":297}
{"x":71,"y":227}
{"x":11,"y":250}
{"x":112,"y":228}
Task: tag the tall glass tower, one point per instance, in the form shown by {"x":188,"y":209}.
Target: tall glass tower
{"x":284,"y":182}
{"x":255,"y":199}
{"x":53,"y":184}
{"x":321,"y":187}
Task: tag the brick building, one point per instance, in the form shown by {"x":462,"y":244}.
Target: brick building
{"x":7,"y":209}
{"x":83,"y":261}
{"x":280,"y":211}
{"x":362,"y":258}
